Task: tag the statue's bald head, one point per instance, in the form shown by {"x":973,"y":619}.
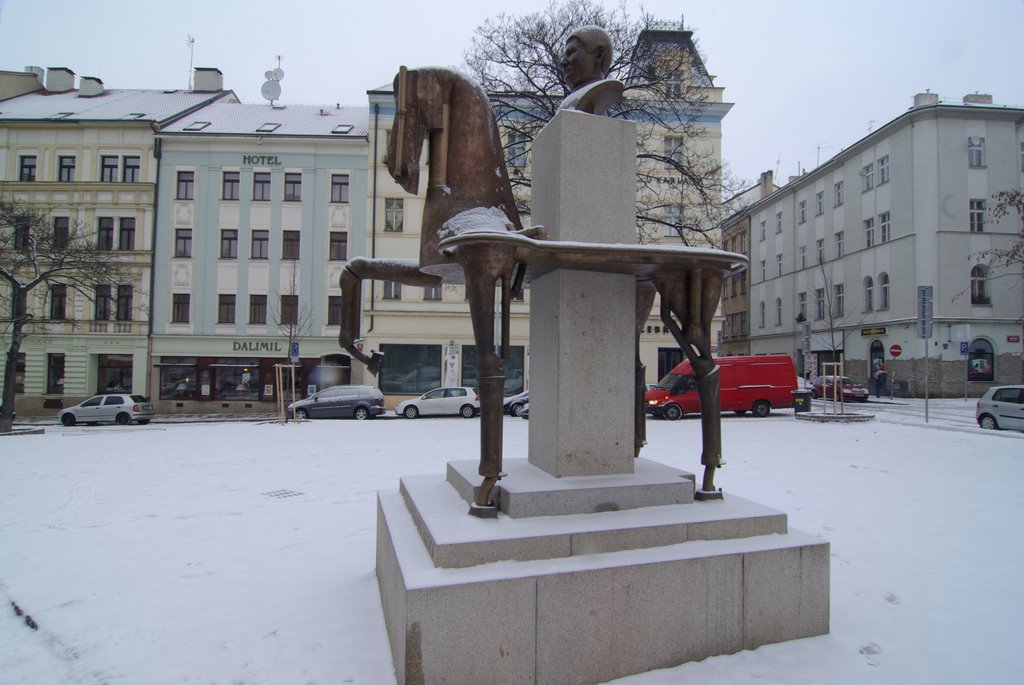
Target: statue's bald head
{"x":587,"y":56}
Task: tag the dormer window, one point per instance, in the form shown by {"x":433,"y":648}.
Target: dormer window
{"x":268,"y":128}
{"x":197,"y":126}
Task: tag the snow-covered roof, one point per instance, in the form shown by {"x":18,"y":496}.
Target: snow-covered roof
{"x":112,"y":105}
{"x":233,"y":118}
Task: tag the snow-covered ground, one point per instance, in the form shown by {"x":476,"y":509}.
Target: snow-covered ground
{"x":244,"y":553}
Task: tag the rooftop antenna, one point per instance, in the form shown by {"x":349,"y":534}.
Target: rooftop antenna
{"x":190,"y":44}
{"x":871,"y":124}
{"x":271,"y":90}
{"x":778,"y":162}
{"x":818,"y":148}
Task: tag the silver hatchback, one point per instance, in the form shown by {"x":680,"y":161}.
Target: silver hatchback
{"x":1001,"y":407}
{"x":119,"y":409}
{"x":341,"y":402}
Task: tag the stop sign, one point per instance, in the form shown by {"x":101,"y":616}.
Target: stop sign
{"x":895,"y":350}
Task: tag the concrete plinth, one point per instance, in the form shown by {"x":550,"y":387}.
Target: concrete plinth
{"x":470,"y":600}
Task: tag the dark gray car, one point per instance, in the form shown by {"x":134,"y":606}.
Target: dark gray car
{"x":341,"y":402}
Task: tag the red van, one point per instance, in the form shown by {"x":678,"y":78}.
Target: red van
{"x":748,"y":384}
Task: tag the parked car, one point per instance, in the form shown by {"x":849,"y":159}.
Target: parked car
{"x":747,"y":383}
{"x":853,"y":391}
{"x":515,"y":404}
{"x":341,"y":402}
{"x":1001,"y":408}
{"x":121,"y":409}
{"x":442,"y":402}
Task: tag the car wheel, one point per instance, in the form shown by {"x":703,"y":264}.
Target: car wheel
{"x":988,"y":422}
{"x":740,"y":412}
{"x":673,"y":412}
{"x":123,"y":419}
{"x":301,"y":414}
{"x":411,"y":412}
{"x":517,"y":410}
{"x":68,"y":420}
{"x":361,"y":413}
{"x":762,"y":409}
{"x":468,"y":411}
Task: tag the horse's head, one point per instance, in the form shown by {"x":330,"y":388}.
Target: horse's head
{"x":418,"y":109}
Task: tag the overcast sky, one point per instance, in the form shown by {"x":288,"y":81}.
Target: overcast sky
{"x":807,"y":78}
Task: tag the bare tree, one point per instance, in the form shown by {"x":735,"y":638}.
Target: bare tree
{"x":681,"y":181}
{"x":36,"y":251}
{"x":290,"y":316}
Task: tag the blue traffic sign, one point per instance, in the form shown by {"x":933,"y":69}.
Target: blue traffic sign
{"x":294,"y":352}
{"x":963,"y":349}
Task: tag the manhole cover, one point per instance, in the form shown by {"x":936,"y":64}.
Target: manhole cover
{"x":281,"y":494}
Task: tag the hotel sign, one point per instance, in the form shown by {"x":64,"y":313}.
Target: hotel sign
{"x":261,"y":160}
{"x":872,"y":331}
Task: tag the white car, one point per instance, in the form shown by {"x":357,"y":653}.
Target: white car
{"x":442,"y":402}
{"x":1001,"y":408}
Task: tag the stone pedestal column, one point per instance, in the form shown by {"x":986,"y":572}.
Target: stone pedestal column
{"x":582,"y":325}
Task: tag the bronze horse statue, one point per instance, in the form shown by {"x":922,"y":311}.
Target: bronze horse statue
{"x":472,"y":234}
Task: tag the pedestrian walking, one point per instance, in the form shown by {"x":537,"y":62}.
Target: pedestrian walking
{"x":881,"y":379}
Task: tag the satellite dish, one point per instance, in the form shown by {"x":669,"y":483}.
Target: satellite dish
{"x":278,"y":74}
{"x":269,"y":75}
{"x":271,"y":90}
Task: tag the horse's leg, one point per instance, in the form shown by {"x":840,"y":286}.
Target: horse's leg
{"x":693,"y":297}
{"x":351,"y":294}
{"x":484,"y":266}
{"x":644,"y":301}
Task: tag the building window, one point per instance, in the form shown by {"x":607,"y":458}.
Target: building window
{"x":979,"y":285}
{"x":394,"y":214}
{"x":61,"y":231}
{"x":673,"y":152}
{"x":22,"y":233}
{"x":764,"y":271}
{"x":869,"y":294}
{"x":976,"y":152}
{"x":124,"y":303}
{"x":819,"y":203}
{"x":820,"y":243}
{"x":411,"y":369}
{"x":180,"y":305}
{"x":261,"y":186}
{"x":66,"y":169}
{"x":105,"y":233}
{"x":58,"y":301}
{"x":673,"y":218}
{"x":778,"y":265}
{"x":392,"y":290}
{"x":883,"y":287}
{"x":432,"y":293}
{"x":516,"y":150}
{"x":186,"y":185}
{"x":183,"y":242}
{"x":55,"y":374}
{"x":339,"y":188}
{"x":230,"y":182}
{"x":289,"y":310}
{"x":778,"y":311}
{"x":225,"y":309}
{"x":761,"y":317}
{"x":838,"y":297}
{"x":257,"y":309}
{"x":819,"y":299}
{"x":126,"y":233}
{"x":803,"y":216}
{"x":338,"y":246}
{"x":260,"y":248}
{"x":108,"y":169}
{"x":883,"y":170}
{"x":101,"y":303}
{"x":763,"y":222}
{"x":868,"y":174}
{"x":290,"y":246}
{"x":803,"y":256}
{"x":778,"y":222}
{"x":981,"y":363}
{"x":977,"y":216}
{"x":801,"y":306}
{"x":839,"y":245}
{"x":130,"y":173}
{"x":837,"y":194}
{"x":293,"y":187}
{"x":869,"y":232}
{"x":229,"y":243}
{"x":884,"y":232}
{"x":1022,"y":156}
{"x":27,"y":168}
{"x":333,"y":310}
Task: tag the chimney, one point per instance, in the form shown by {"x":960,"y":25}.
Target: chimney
{"x":926,"y":98}
{"x":767,"y":183}
{"x":60,"y":79}
{"x":207,"y":80}
{"x":977,"y":99}
{"x":38,"y":71}
{"x":89,"y":87}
